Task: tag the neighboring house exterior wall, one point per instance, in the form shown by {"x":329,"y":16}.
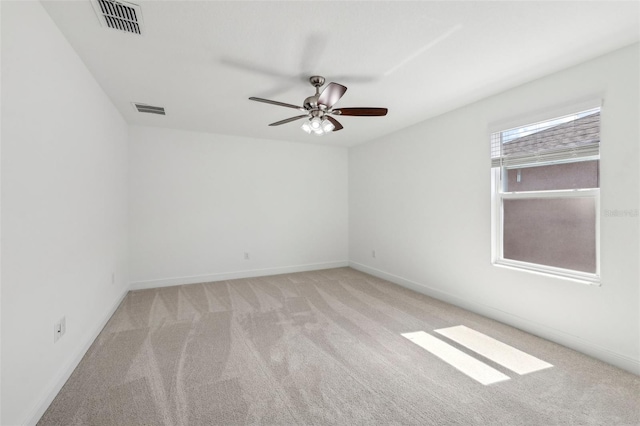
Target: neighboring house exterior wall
{"x":556,"y":232}
{"x":582,"y":174}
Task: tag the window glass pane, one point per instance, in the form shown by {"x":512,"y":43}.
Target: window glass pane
{"x":571,"y":130}
{"x":583,"y":174}
{"x":556,"y":232}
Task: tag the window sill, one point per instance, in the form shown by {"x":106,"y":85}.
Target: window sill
{"x":563,"y":274}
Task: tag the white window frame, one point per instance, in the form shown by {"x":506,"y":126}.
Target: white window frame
{"x":498,"y":195}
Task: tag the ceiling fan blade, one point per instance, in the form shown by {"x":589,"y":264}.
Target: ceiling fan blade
{"x":267,"y":101}
{"x":288,"y":120}
{"x":336,"y":124}
{"x":331,"y":94}
{"x":363,"y":112}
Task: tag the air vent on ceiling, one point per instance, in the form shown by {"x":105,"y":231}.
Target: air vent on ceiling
{"x":119,"y":15}
{"x":149,"y":109}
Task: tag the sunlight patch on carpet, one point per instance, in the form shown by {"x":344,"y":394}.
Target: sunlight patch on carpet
{"x":498,"y":352}
{"x":467,"y":364}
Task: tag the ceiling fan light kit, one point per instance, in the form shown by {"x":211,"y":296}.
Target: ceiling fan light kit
{"x":319,"y":108}
{"x":318,"y":126}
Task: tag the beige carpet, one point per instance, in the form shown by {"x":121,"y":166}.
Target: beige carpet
{"x":323,"y":348}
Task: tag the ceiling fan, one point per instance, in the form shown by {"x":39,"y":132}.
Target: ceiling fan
{"x":318,"y":109}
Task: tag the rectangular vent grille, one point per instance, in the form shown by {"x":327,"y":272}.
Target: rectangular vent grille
{"x":119,"y":15}
{"x":149,"y":109}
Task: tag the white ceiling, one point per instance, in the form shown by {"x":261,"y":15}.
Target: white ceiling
{"x":202,"y":60}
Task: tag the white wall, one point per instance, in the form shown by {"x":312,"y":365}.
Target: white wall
{"x":428,"y":217}
{"x":64,"y":214}
{"x":199,"y":201}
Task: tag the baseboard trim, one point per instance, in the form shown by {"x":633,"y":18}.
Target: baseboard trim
{"x":619,"y":360}
{"x":195,"y":279}
{"x":65,"y":373}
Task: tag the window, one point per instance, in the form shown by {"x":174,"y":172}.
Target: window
{"x":546,"y":196}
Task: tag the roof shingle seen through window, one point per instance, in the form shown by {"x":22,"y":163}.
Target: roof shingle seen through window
{"x":583,"y":131}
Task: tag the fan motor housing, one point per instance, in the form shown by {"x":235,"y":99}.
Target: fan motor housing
{"x":311,"y":103}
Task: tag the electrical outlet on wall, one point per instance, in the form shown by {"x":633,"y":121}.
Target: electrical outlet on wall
{"x":57,"y":332}
{"x":59,"y":329}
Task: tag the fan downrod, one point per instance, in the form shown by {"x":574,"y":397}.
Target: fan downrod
{"x":311,"y":103}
